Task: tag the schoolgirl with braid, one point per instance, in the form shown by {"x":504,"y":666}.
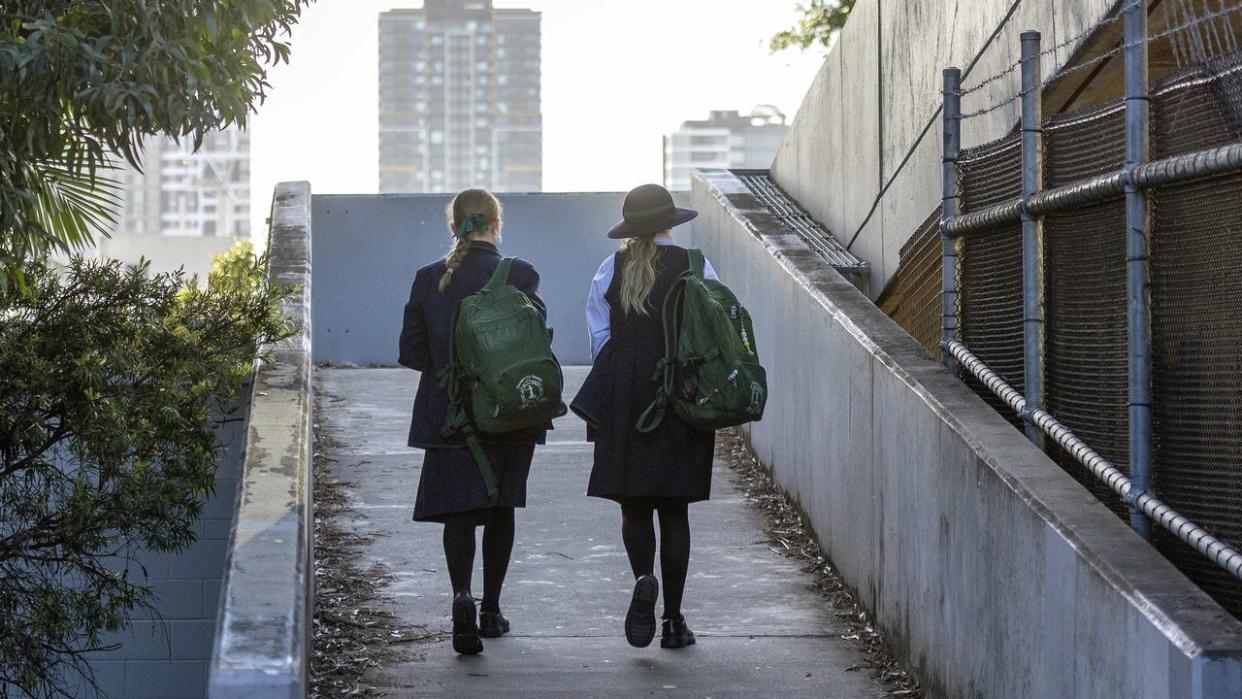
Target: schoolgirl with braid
{"x":450,"y":488}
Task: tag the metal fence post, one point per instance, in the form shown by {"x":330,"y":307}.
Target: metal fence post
{"x":1137,"y":225}
{"x":950,"y":207}
{"x":1032,"y":234}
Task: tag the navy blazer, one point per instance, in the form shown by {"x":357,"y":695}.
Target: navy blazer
{"x":425,"y":337}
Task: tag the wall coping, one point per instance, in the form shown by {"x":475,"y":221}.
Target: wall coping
{"x":263,"y":631}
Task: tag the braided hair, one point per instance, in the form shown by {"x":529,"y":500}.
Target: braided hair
{"x":471,"y":212}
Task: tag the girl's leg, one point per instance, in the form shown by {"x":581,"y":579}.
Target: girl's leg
{"x":497,"y":549}
{"x":638,"y":533}
{"x":674,"y":555}
{"x":459,"y":555}
{"x":459,"y":552}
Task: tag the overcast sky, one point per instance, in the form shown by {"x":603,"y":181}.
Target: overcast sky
{"x":616,"y":77}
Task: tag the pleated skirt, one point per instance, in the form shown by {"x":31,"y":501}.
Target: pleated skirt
{"x":673,"y":461}
{"x":450,"y":482}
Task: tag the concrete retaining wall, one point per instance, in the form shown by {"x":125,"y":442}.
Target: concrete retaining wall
{"x":368,"y":248}
{"x":263,"y":638}
{"x":881,"y":85}
{"x":995,"y":574}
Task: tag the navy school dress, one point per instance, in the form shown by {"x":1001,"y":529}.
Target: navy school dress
{"x":450,"y":482}
{"x":675,"y":460}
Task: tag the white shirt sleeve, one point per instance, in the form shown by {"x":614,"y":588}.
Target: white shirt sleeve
{"x":708,"y":272}
{"x":598,"y":312}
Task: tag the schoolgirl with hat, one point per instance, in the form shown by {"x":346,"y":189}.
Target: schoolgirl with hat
{"x":658,"y":473}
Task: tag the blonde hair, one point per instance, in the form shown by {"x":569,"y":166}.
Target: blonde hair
{"x":471,"y":202}
{"x":641,"y":265}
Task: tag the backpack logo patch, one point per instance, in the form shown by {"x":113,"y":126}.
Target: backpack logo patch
{"x":756,"y":398}
{"x":530,"y":390}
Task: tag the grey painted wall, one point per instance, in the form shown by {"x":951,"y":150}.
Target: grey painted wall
{"x":367,"y":249}
{"x":992,"y":570}
{"x":167,"y":656}
{"x":881,"y":85}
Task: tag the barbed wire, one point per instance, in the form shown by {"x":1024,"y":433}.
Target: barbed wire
{"x":931,"y":121}
{"x":1224,"y":12}
{"x":1193,"y":48}
{"x":1107,"y":22}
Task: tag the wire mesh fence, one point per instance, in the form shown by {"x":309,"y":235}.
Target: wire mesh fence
{"x":1195,"y":290}
{"x":1084,"y":258}
{"x":991,"y":269}
{"x":912,"y":297}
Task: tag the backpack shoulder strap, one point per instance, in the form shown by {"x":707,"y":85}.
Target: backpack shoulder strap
{"x":696,"y":262}
{"x":665,"y":375}
{"x":500,"y":277}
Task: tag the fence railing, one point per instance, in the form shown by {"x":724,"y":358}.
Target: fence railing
{"x":1134,"y":183}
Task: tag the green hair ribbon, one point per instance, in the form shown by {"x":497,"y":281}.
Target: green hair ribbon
{"x":474,"y":223}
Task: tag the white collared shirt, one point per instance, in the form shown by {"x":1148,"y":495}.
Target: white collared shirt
{"x":598,"y":311}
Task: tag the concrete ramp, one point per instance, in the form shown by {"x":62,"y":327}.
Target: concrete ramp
{"x":761,"y":631}
{"x":990,"y":568}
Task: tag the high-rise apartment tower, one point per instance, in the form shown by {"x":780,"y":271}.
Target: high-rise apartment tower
{"x":459,"y":102}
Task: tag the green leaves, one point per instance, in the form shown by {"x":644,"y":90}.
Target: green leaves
{"x":81,"y":81}
{"x":113,"y":382}
{"x":820,"y":21}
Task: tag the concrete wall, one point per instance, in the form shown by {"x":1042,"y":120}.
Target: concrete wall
{"x":367,"y":249}
{"x":881,"y":85}
{"x":166,"y":655}
{"x":992,"y":570}
{"x":263,"y":631}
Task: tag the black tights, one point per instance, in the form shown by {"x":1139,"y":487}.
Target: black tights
{"x":497,"y":547}
{"x":638,"y":533}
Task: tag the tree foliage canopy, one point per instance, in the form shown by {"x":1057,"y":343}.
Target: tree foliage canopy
{"x":112,"y":384}
{"x":819,"y":22}
{"x":81,"y":80}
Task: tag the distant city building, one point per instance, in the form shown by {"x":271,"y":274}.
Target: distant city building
{"x":180,"y":192}
{"x":724,"y":140}
{"x":459,"y":102}
{"x":183,"y":207}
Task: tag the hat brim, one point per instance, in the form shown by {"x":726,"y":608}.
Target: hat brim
{"x":655,"y":224}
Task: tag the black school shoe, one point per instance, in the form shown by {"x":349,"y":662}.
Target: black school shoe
{"x":640,"y":621}
{"x":466,"y":626}
{"x":492,"y":624}
{"x":676,"y":634}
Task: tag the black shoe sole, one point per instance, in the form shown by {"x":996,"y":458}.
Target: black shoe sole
{"x":675,"y":643}
{"x":640,"y":621}
{"x":466,"y":639}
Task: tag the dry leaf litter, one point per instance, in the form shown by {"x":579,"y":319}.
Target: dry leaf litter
{"x":788,"y":535}
{"x":353,"y":633}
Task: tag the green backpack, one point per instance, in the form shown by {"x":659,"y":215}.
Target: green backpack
{"x":502,"y":375}
{"x":710,"y":372}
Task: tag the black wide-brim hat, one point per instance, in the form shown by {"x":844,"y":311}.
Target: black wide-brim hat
{"x":649,"y":209}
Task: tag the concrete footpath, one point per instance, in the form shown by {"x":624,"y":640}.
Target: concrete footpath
{"x":761,"y":632}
